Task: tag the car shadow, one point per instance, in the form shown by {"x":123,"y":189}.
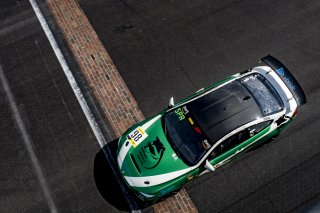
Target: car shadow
{"x":107,"y":183}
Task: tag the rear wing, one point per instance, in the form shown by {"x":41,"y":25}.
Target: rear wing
{"x":287,"y":78}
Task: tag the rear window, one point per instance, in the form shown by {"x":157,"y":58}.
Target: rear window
{"x":263,"y":92}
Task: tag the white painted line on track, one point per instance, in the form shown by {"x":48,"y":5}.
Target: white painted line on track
{"x":83,"y":103}
{"x":27,"y":141}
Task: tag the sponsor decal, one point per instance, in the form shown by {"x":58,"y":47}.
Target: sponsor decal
{"x":206,"y":144}
{"x":197,"y":130}
{"x":179,"y":112}
{"x":174,"y":155}
{"x":150,"y":155}
{"x":289,"y":83}
{"x":191,"y":121}
{"x":185,"y":110}
{"x":280,"y":71}
{"x":182,"y":112}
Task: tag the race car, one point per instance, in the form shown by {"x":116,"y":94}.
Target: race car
{"x":206,"y":130}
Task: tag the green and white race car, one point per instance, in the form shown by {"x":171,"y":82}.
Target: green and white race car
{"x":204,"y":131}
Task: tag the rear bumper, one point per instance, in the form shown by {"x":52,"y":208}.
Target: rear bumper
{"x":287,"y":78}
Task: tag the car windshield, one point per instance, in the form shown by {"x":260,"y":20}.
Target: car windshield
{"x":263,"y":92}
{"x":185,"y":135}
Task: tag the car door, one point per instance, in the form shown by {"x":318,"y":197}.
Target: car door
{"x":237,"y":143}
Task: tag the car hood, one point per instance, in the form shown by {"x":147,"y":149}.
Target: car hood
{"x":152,"y":160}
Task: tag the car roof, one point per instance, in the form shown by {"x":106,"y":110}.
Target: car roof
{"x":224,"y":109}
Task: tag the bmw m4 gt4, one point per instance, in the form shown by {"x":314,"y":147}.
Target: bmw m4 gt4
{"x":204,"y":131}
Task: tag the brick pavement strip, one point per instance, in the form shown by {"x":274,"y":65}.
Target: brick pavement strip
{"x":102,"y":77}
{"x":105,"y":82}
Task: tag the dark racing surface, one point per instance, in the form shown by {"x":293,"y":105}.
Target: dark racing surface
{"x":173,"y":48}
{"x":162,"y":49}
{"x":61,"y":138}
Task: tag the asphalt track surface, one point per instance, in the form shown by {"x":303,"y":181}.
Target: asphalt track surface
{"x":174,"y":47}
{"x":162,"y":49}
{"x":61,"y":138}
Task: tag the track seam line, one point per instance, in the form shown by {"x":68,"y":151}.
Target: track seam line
{"x":27,"y":142}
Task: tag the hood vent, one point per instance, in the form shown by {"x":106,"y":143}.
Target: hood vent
{"x":135,"y":163}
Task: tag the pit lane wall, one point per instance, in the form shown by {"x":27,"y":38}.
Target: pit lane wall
{"x":104,"y":82}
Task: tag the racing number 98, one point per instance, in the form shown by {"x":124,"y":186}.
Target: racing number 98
{"x":136,"y":135}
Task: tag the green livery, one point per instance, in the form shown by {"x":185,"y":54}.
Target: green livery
{"x":157,"y":156}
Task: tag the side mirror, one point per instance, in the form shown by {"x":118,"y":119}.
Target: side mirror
{"x":171,"y":103}
{"x":208,"y":166}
